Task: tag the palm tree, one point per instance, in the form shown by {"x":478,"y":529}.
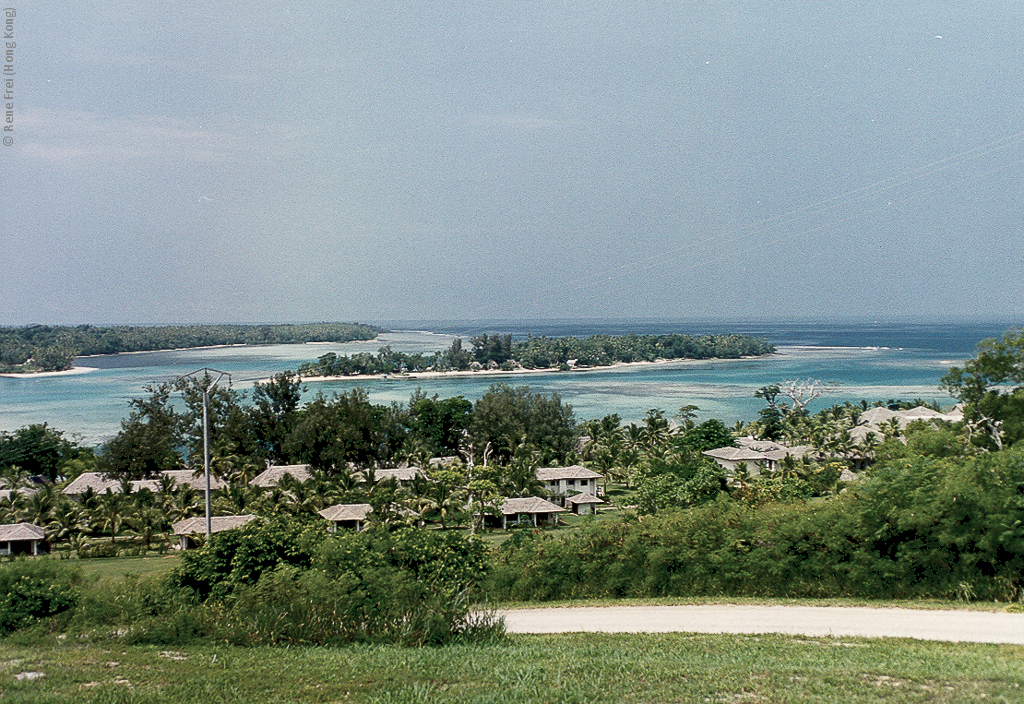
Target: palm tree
{"x":65,"y":521}
{"x":147,"y":523}
{"x":111,"y":512}
{"x":183,"y":503}
{"x":36,"y":507}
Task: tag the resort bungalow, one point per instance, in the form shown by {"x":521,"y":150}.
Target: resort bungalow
{"x":731,"y":458}
{"x":346,"y":516}
{"x":99,"y":482}
{"x":189,"y":529}
{"x":403,"y":475}
{"x":563,"y":482}
{"x":23,"y":539}
{"x":272,"y":475}
{"x":583,"y":504}
{"x":529,"y":510}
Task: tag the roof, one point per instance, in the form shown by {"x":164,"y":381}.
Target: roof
{"x":196,"y":481}
{"x":21,"y":531}
{"x":272,"y":475}
{"x":584,"y":498}
{"x":197,"y":525}
{"x":783,"y":452}
{"x":879,"y":415}
{"x":346,"y":512}
{"x":551,"y":474}
{"x":101,"y":483}
{"x":529,"y":504}
{"x":94,"y":480}
{"x":734,"y":454}
{"x":401,"y":474}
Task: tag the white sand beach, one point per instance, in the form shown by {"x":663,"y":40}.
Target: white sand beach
{"x":36,"y":375}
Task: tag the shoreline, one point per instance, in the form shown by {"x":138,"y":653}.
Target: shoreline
{"x":218,"y":347}
{"x":37,"y":375}
{"x":521,"y":372}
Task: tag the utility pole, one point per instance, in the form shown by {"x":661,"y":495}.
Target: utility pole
{"x":211,"y":382}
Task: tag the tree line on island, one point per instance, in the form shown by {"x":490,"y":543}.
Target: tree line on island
{"x":502,"y":352}
{"x":936,"y":511}
{"x":54,"y":348}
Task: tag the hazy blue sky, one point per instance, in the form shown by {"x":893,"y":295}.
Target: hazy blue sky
{"x":382,"y":160}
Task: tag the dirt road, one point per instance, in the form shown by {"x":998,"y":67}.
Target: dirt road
{"x":954,"y":626}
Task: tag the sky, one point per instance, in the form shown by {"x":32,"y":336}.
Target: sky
{"x":367,"y":161}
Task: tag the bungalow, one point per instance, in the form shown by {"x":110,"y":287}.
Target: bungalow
{"x":23,"y":539}
{"x":189,"y":529}
{"x":583,"y":504}
{"x":272,"y":475}
{"x":346,"y":516}
{"x":731,"y":458}
{"x":99,"y":482}
{"x":529,"y":510}
{"x":403,"y":475}
{"x":563,"y":482}
{"x":183,"y":477}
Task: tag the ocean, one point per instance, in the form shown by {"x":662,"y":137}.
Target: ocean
{"x":862,"y":360}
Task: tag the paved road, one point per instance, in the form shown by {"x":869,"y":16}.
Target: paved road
{"x":954,"y":626}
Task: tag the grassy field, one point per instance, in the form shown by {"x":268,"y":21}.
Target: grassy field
{"x":115,"y":568}
{"x":566,"y":668}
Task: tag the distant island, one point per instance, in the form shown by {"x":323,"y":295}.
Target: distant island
{"x":502,"y":353}
{"x":44,"y":348}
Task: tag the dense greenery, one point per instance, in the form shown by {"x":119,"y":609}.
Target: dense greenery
{"x":53,"y":348}
{"x":270,"y":582}
{"x":991,"y":387}
{"x":502,"y":352}
{"x":916,"y":526}
{"x":35,"y":589}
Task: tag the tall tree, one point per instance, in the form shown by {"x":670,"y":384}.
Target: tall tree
{"x":991,"y":387}
{"x":150,"y":440}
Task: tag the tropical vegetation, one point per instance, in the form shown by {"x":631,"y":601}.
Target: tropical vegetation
{"x":504,"y":353}
{"x":54,"y":348}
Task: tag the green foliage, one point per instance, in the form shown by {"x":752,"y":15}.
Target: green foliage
{"x":237,"y":557}
{"x":35,"y":588}
{"x":991,"y":387}
{"x":277,"y":583}
{"x":541,"y":353}
{"x":18,"y":343}
{"x":37,"y":449}
{"x":439,"y":424}
{"x":506,"y":417}
{"x":916,"y":527}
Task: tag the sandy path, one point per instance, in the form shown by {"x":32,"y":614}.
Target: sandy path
{"x":954,"y":626}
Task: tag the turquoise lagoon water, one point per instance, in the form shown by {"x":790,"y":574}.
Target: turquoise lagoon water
{"x":866,"y":360}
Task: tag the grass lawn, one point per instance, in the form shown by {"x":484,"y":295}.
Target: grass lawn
{"x":564,"y":668}
{"x":115,"y":568}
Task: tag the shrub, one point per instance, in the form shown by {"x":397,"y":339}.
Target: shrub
{"x":36,"y":588}
{"x":238,"y":557}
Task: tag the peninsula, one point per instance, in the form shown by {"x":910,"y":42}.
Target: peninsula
{"x":43,"y":348}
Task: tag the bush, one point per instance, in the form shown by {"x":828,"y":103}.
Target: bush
{"x":238,"y":557}
{"x":279,"y":582}
{"x":36,"y":588}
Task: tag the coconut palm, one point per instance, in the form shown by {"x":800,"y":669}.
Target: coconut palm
{"x":65,"y":521}
{"x":147,"y":522}
{"x":111,"y":512}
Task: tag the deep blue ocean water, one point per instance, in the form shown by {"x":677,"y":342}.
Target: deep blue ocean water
{"x":866,"y":360}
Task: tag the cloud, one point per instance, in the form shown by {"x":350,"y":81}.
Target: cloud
{"x":75,"y":139}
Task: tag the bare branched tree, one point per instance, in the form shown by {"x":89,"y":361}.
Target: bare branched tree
{"x":802,"y":391}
